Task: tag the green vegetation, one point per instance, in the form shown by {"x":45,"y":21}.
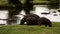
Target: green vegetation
{"x":33,"y":29}
{"x":3,"y":2}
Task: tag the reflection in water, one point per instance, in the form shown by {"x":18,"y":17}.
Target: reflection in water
{"x":3,"y":15}
{"x":38,"y":10}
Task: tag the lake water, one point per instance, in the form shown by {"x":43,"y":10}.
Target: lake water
{"x":38,"y":10}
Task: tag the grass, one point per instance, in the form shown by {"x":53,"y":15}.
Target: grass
{"x":27,"y":29}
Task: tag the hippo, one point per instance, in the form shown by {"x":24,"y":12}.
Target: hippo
{"x":28,"y":17}
{"x":44,"y":21}
{"x":32,"y":21}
